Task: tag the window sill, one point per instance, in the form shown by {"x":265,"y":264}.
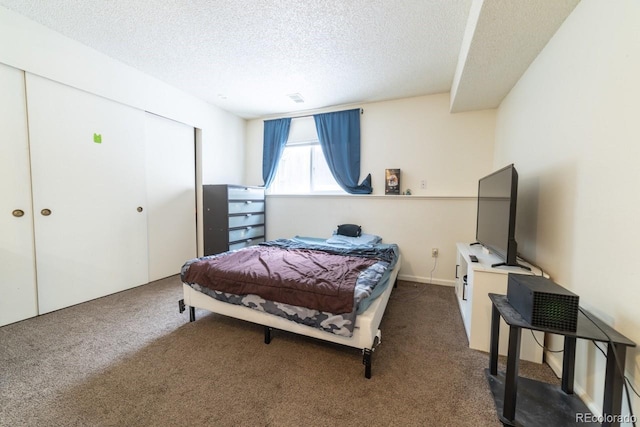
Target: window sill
{"x":368,"y":196}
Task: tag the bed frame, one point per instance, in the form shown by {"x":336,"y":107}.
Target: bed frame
{"x":366,"y":334}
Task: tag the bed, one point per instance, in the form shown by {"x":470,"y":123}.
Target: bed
{"x":364,"y":266}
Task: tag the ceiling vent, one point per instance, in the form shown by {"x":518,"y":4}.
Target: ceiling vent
{"x":296,"y":97}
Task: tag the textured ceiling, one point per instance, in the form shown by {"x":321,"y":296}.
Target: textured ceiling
{"x":502,"y":38}
{"x":247,"y":56}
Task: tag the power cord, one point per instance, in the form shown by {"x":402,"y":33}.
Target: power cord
{"x":542,"y":345}
{"x":617,"y":360}
{"x":625,"y":378}
{"x":529,"y":262}
{"x":435,"y":264}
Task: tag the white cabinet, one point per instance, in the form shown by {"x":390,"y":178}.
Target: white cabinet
{"x":474,"y":282}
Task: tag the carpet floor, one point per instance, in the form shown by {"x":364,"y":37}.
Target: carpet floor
{"x":130,"y":359}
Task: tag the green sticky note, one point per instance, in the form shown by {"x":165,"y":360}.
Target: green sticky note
{"x":97,"y":138}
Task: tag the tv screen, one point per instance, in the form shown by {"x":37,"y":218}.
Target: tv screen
{"x":497,"y":194}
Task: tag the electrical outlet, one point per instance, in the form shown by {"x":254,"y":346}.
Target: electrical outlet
{"x":434,"y":253}
{"x":423,"y":184}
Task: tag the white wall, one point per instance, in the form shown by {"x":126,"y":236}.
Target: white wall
{"x":32,"y":47}
{"x":419,"y":136}
{"x":571,"y":125}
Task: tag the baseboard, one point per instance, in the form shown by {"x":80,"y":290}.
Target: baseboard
{"x":556,"y":366}
{"x":554,"y":363}
{"x":433,"y":281}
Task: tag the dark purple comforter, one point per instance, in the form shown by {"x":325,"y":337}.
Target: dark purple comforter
{"x":302,"y":277}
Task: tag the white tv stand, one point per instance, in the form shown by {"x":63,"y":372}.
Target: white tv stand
{"x":475,"y":305}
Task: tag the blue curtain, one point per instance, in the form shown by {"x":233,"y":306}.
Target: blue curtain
{"x":339,"y":135}
{"x":276,"y":133}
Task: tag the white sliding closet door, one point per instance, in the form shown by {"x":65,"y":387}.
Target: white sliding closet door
{"x":17,"y":264}
{"x":171,"y":195}
{"x":88,"y":181}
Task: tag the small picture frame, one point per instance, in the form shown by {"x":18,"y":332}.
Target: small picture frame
{"x":392,"y":181}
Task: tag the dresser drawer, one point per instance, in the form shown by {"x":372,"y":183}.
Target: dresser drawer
{"x":247,"y":206}
{"x":245,"y":243}
{"x":246,"y":233}
{"x":236,"y":221}
{"x":246,"y":193}
{"x":233,"y":217}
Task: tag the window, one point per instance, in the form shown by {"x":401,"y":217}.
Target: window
{"x":303,"y":168}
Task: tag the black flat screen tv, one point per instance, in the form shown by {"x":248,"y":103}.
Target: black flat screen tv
{"x":496,"y":225}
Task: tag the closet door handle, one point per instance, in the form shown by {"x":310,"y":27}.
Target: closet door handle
{"x":45,"y":212}
{"x":18,"y":213}
{"x":139,"y":209}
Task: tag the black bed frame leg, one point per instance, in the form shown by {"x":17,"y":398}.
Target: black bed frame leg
{"x":366,"y":361}
{"x":368,"y":352}
{"x":192,"y":311}
{"x":267,"y":335}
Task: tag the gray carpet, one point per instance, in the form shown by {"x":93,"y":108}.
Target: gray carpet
{"x":131,"y":359}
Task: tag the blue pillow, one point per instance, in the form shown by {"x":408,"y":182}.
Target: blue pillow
{"x":363,"y":239}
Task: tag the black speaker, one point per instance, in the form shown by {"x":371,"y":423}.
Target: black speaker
{"x":542,"y":302}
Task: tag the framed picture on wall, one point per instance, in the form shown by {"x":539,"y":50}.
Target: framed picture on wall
{"x":392,"y":181}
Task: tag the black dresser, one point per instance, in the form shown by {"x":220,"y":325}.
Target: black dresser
{"x":234,"y":217}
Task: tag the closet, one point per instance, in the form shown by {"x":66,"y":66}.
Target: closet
{"x":17,"y":261}
{"x":81,"y":204}
{"x":171,"y":196}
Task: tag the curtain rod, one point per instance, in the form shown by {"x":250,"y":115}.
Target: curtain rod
{"x":311,"y":115}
